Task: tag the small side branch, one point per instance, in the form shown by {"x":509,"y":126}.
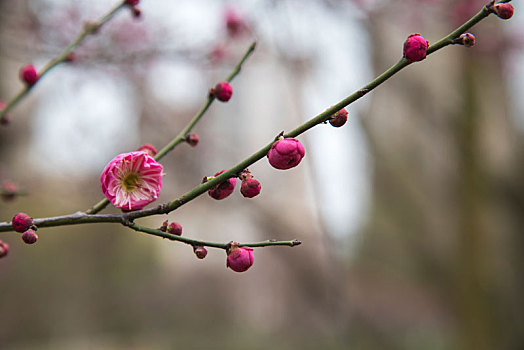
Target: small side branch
{"x":89,"y":28}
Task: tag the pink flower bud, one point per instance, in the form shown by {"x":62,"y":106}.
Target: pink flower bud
{"x":224,"y":189}
{"x":222,"y":91}
{"x":4,"y":249}
{"x":340,"y":118}
{"x":192,"y":139}
{"x":466,"y":39}
{"x":503,"y":10}
{"x":149,"y":149}
{"x":240,"y":259}
{"x":175,"y":229}
{"x":28,"y":74}
{"x":415,"y":48}
{"x":250,"y":188}
{"x":29,"y":236}
{"x":286,"y":154}
{"x":132,"y":2}
{"x":21,"y":222}
{"x":200,"y":252}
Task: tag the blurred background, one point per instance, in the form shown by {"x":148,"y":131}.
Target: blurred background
{"x":411,"y":214}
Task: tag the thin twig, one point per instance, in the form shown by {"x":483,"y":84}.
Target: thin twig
{"x":196,"y":242}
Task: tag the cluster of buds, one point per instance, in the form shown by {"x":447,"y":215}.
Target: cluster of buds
{"x":133,"y":5}
{"x":29,"y":75}
{"x":249,"y":187}
{"x":23,"y":223}
{"x":222,"y":91}
{"x":173,"y":228}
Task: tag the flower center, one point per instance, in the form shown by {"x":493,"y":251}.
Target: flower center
{"x":131,"y":181}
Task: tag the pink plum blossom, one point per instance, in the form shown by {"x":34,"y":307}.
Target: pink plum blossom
{"x":240,"y":259}
{"x":286,"y":154}
{"x":132,"y":180}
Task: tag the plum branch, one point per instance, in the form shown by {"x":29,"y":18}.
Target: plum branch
{"x":127,"y":218}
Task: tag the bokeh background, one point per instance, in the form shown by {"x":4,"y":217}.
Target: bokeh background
{"x":411,"y":215}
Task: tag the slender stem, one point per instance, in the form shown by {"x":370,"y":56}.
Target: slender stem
{"x":127,"y":218}
{"x":181,"y":137}
{"x":196,"y":242}
{"x":89,"y":28}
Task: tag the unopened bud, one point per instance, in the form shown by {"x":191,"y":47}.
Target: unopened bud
{"x":250,"y":188}
{"x":21,"y":222}
{"x":339,"y":118}
{"x":192,"y":139}
{"x":224,"y":189}
{"x":29,"y":236}
{"x":200,"y":252}
{"x":466,"y":39}
{"x":222,"y":91}
{"x":503,"y":10}
{"x":240,"y":259}
{"x":415,"y":48}
{"x":175,"y":229}
{"x":29,"y":75}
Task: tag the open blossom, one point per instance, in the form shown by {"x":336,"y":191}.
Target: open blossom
{"x":132,"y":180}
